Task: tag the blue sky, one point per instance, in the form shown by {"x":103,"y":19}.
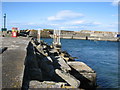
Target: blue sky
{"x":76,"y":16}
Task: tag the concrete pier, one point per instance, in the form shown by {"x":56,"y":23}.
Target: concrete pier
{"x":45,"y":67}
{"x":13,"y":61}
{"x":48,"y":64}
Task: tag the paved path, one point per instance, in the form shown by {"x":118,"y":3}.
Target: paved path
{"x":13,"y":61}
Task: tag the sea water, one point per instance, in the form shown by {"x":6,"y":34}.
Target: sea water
{"x":102,"y":56}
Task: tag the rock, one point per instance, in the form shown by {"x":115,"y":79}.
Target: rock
{"x":48,"y":58}
{"x":65,"y":54}
{"x":45,"y":63}
{"x":53,"y":52}
{"x":46,"y":84}
{"x":44,"y":47}
{"x":68,"y":78}
{"x":80,"y":66}
{"x":35,"y":74}
{"x":3,"y":49}
{"x":66,"y":58}
{"x":49,"y":64}
{"x":59,"y":62}
{"x":84,"y":73}
{"x":30,"y":60}
{"x":49,"y":69}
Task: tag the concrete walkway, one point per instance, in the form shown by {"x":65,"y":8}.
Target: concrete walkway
{"x":13,"y":61}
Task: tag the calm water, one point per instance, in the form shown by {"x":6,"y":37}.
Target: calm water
{"x":102,"y":56}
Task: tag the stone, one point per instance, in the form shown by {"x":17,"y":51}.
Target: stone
{"x":3,"y":49}
{"x":59,"y":62}
{"x":35,"y":74}
{"x":84,"y":73}
{"x":46,"y":84}
{"x":30,"y":60}
{"x":66,"y":58}
{"x":80,"y":66}
{"x":53,"y":52}
{"x":46,"y":66}
{"x":48,"y":58}
{"x":68,"y":78}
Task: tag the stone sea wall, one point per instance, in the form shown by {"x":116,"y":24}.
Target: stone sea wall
{"x":50,"y":67}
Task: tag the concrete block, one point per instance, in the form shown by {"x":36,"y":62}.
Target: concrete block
{"x":59,"y":62}
{"x":35,"y":74}
{"x":80,"y":66}
{"x":46,"y":84}
{"x":84,"y":73}
{"x":53,"y":52}
{"x":68,"y":78}
{"x":47,"y":59}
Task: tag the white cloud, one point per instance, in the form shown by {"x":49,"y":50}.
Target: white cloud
{"x":110,"y":26}
{"x":115,"y":23}
{"x":96,"y":23}
{"x":75,"y":22}
{"x":65,"y":14}
{"x":114,"y":15}
{"x":69,"y":27}
{"x":115,"y":2}
{"x":52,"y":18}
{"x":30,"y":23}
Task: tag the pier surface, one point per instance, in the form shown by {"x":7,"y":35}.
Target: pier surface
{"x":13,"y":61}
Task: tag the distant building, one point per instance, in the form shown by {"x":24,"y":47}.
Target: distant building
{"x":99,"y":33}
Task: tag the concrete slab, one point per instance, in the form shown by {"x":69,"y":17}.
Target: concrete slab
{"x":84,"y":73}
{"x":68,"y":78}
{"x":13,"y":61}
{"x":80,"y":66}
{"x":46,"y":84}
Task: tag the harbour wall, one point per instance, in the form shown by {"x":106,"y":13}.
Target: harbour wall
{"x":89,"y":38}
{"x":21,"y":59}
{"x":47,"y":66}
{"x":83,"y":34}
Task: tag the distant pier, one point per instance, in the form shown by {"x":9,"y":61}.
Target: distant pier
{"x":82,"y":35}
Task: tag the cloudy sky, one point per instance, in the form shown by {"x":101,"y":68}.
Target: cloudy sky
{"x":99,"y":16}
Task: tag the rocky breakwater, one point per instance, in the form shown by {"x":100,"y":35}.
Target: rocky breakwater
{"x":49,"y":67}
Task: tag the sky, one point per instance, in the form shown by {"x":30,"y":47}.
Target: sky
{"x":74,"y":16}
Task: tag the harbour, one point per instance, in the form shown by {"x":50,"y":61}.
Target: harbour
{"x":15,"y":72}
{"x":37,"y":50}
{"x":100,"y":58}
{"x":46,"y":46}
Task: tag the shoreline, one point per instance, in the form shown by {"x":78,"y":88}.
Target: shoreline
{"x":91,"y":39}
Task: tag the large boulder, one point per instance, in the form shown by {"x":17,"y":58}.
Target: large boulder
{"x":71,"y":80}
{"x":84,"y":73}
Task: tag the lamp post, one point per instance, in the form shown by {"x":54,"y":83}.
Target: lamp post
{"x":5,"y":20}
{"x":4,"y":23}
